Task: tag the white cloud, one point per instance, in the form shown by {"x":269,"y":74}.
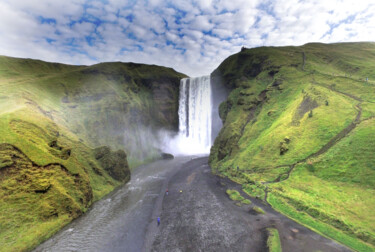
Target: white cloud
{"x":222,"y":33}
{"x":201,"y":23}
{"x":193,"y":34}
{"x":202,"y":32}
{"x":83,"y":29}
{"x":172,"y":36}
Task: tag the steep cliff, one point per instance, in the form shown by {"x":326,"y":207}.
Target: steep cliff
{"x":66,"y":135}
{"x":298,"y":132}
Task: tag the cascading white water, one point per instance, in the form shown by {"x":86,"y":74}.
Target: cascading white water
{"x":195,"y":114}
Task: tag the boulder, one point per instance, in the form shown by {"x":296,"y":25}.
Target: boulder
{"x":114,"y":162}
{"x":166,"y":156}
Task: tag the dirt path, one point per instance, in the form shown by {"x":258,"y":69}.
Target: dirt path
{"x":197,"y":215}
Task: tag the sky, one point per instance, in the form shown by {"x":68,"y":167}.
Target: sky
{"x":191,"y":36}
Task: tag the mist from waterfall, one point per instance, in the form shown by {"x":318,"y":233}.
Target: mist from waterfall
{"x":195,"y":117}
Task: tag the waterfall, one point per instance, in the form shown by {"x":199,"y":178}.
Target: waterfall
{"x":195,"y":114}
{"x":198,"y":112}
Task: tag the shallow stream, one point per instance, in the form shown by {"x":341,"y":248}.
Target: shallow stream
{"x":120,"y":220}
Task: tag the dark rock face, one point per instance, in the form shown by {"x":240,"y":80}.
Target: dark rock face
{"x":165,"y":97}
{"x":115,"y":163}
{"x":306,"y":105}
{"x":237,"y":66}
{"x":219,"y":106}
{"x":167,"y":156}
{"x":118,"y":102}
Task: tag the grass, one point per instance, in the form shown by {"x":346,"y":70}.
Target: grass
{"x":368,"y":110}
{"x":254,"y":190}
{"x":235,"y":195}
{"x":340,"y":195}
{"x":259,"y":145}
{"x":278,"y":147}
{"x":52,"y":118}
{"x":319,"y":227}
{"x":258,"y":210}
{"x":246,"y":202}
{"x":273,"y":240}
{"x":115,"y":104}
{"x":40,"y":190}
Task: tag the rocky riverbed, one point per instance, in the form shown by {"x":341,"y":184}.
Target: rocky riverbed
{"x":196,"y":215}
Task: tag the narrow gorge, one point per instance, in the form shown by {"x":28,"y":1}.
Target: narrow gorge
{"x":92,"y":156}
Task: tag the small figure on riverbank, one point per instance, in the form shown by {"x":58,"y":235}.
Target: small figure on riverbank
{"x":158,"y":221}
{"x":166,"y":192}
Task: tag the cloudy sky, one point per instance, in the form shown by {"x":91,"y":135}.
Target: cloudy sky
{"x":192,"y":36}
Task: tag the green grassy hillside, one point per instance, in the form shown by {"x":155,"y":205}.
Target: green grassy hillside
{"x":116,"y":104}
{"x":59,"y":128}
{"x":299,"y":125}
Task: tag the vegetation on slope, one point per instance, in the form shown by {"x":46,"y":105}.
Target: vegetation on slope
{"x":298,"y":124}
{"x":115,"y":104}
{"x":236,"y":196}
{"x":273,"y":240}
{"x":58,"y":124}
{"x":47,"y":178}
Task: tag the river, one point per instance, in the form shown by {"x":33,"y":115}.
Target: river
{"x":196,"y":215}
{"x":120,"y":220}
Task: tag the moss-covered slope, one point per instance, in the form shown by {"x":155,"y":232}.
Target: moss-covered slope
{"x":63,"y":132}
{"x":116,"y":104}
{"x":299,"y":125}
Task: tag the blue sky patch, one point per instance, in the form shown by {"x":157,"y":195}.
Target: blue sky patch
{"x":50,"y":41}
{"x":44,"y":20}
{"x":90,"y":40}
{"x":167,"y":32}
{"x":130,"y":18}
